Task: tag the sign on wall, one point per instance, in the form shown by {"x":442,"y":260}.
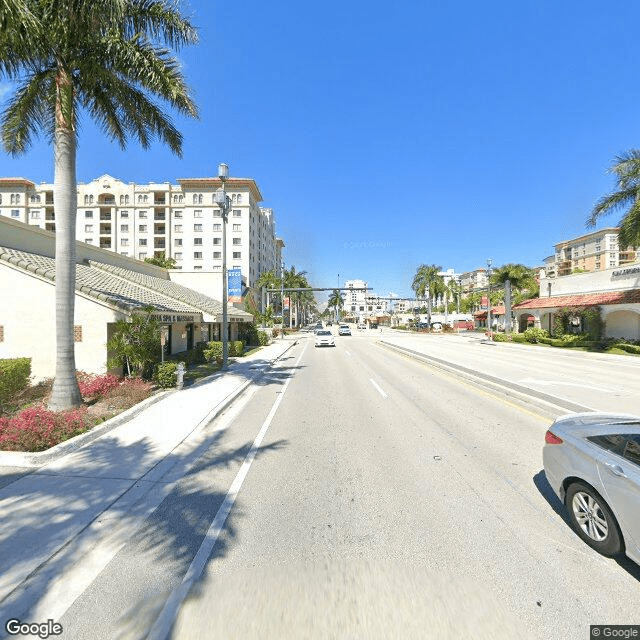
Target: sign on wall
{"x":234,"y":279}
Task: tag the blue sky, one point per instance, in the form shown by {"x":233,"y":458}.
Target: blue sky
{"x":389,"y":135}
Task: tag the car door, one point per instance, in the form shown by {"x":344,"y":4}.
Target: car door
{"x":620,"y":475}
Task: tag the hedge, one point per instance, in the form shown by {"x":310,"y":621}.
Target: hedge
{"x":14,"y":377}
{"x":165,"y":374}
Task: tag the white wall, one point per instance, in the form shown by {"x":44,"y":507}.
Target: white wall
{"x":596,"y":281}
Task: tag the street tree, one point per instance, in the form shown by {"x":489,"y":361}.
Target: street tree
{"x":513,"y":277}
{"x":428,"y":282}
{"x":106,"y":58}
{"x":625,"y":197}
{"x":162,"y":261}
{"x":336,"y":301}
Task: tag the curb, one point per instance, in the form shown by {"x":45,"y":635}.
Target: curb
{"x":39,"y":458}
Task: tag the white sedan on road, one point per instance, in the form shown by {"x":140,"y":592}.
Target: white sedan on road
{"x":324,"y":338}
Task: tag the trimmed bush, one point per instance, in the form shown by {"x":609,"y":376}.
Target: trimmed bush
{"x":213,"y":351}
{"x":92,"y":386}
{"x":14,"y":377}
{"x":236,"y":348}
{"x":36,"y":428}
{"x":165,"y":374}
{"x":263,"y":338}
{"x":518,"y":337}
{"x":629,"y":348}
{"x":501,"y":337}
{"x":534,"y":334}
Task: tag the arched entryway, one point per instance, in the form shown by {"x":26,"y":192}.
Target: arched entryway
{"x":623,"y":324}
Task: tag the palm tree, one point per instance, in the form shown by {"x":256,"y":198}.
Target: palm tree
{"x":512,"y":276}
{"x":268,"y":280}
{"x":627,"y":196}
{"x":105,"y":57}
{"x":294,"y":280}
{"x":427,"y":281}
{"x":336,"y":300}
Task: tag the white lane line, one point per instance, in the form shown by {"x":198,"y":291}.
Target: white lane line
{"x":165,"y":620}
{"x":347,"y":352}
{"x":378,"y":388}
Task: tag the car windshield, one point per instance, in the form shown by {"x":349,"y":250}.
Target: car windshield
{"x":324,"y":333}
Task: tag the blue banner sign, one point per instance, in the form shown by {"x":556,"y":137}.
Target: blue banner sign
{"x":234,"y":279}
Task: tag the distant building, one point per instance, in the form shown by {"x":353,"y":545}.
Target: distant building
{"x":594,"y":251}
{"x":179,"y":221}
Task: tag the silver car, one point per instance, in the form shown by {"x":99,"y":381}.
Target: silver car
{"x":592,"y":462}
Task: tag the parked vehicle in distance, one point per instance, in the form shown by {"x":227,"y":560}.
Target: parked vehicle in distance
{"x":318,"y":327}
{"x":436,"y":327}
{"x":361,"y":325}
{"x":344,"y":330}
{"x":324,"y":338}
{"x":592,"y":462}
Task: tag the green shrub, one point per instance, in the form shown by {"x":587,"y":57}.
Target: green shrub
{"x":165,"y":374}
{"x":501,"y":337}
{"x":629,"y":348}
{"x":236,"y":348}
{"x":213,"y":351}
{"x":276,"y":332}
{"x":14,"y":377}
{"x":534,"y":334}
{"x":263,"y":338}
{"x":518,"y":337}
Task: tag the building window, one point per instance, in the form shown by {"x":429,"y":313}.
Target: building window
{"x":237,"y":213}
{"x":197,"y":255}
{"x":177,"y":242}
{"x":88,"y":214}
{"x":237,"y":227}
{"x":124,"y":214}
{"x":217,"y":227}
{"x":124,"y":242}
{"x":142,"y":228}
{"x":217,"y":213}
{"x":142,"y":242}
{"x":217,"y":241}
{"x":15,"y":213}
{"x":197,"y":213}
{"x":177,"y":228}
{"x":197,"y":268}
{"x":35,"y":215}
{"x":197,"y":227}
{"x":124,"y":228}
{"x":177,"y":214}
{"x":142,"y":214}
{"x":197,"y":241}
{"x":178,"y":255}
{"x":217,"y":267}
{"x":88,"y":228}
{"x":77,"y":333}
{"x":217,"y":255}
{"x":142,"y":256}
{"x":237,"y":255}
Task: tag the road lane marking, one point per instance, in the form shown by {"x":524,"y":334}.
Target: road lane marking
{"x":377,"y":387}
{"x":347,"y":352}
{"x":166,"y":619}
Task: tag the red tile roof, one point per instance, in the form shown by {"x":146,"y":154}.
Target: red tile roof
{"x":583,"y":300}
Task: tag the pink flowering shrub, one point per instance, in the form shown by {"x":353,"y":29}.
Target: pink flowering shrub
{"x":36,"y":428}
{"x":92,"y":386}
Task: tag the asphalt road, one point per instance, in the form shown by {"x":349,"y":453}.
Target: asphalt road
{"x":357,"y":493}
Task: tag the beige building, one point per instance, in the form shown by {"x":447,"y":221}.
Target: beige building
{"x":109,"y":287}
{"x":594,"y":251}
{"x":179,"y":220}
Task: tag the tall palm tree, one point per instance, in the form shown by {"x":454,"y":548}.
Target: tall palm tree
{"x":336,"y":300}
{"x":512,"y":277}
{"x":293,"y":280}
{"x":106,"y":57}
{"x":626,"y":196}
{"x":428,"y":282}
{"x":268,"y":280}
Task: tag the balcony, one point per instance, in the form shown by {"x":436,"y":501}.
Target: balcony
{"x":105,"y":229}
{"x":105,"y":243}
{"x":159,"y":229}
{"x":159,"y":214}
{"x":158,"y":243}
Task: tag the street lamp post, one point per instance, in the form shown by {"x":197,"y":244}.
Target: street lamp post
{"x":489,"y":296}
{"x":224,"y":202}
{"x":282,"y":299}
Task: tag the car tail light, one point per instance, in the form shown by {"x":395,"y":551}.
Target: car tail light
{"x":552,"y":438}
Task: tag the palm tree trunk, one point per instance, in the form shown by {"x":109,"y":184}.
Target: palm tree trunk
{"x":507,"y":306}
{"x":65,"y":393}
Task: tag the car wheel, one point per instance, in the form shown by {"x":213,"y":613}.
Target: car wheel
{"x":593,"y":520}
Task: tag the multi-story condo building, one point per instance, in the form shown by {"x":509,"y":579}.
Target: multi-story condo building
{"x":594,"y":251}
{"x":179,"y":220}
{"x":474,"y":280}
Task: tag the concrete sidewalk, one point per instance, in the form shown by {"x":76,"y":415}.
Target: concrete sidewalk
{"x":109,"y":483}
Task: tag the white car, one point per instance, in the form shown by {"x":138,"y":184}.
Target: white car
{"x":324,"y":338}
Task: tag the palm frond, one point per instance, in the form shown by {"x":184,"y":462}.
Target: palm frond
{"x":611,"y":202}
{"x":158,"y":20}
{"x":629,"y":234}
